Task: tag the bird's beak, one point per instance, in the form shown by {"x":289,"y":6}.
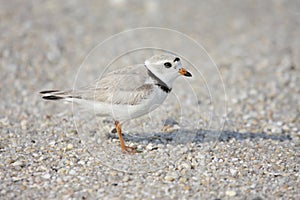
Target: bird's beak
{"x":184,"y":72}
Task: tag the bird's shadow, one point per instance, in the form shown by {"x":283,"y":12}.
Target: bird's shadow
{"x":184,"y":136}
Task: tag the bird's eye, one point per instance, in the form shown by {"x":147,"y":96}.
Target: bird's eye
{"x":177,"y":59}
{"x":168,"y":65}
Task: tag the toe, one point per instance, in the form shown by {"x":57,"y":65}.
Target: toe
{"x":129,"y":150}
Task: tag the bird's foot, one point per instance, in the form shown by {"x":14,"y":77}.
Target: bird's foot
{"x":129,"y":150}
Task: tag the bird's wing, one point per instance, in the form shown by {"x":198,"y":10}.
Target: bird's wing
{"x":124,"y":86}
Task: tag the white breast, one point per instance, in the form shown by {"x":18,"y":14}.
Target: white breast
{"x":155,"y":100}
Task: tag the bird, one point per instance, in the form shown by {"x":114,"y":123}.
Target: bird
{"x":126,"y":93}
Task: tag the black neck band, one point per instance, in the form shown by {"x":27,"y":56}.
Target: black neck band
{"x":164,"y":88}
{"x":159,"y":82}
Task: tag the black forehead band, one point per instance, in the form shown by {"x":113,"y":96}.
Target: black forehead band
{"x":176,"y":59}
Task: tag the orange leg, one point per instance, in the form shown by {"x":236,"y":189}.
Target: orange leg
{"x":125,"y":149}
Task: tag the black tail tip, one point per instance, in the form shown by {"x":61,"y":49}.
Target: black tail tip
{"x":52,"y":97}
{"x":48,"y":91}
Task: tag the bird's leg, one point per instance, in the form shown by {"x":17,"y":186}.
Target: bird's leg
{"x":125,"y":149}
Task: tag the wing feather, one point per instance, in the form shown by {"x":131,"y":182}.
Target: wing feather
{"x":124,"y":86}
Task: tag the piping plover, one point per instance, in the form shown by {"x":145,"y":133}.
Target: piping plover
{"x":126,"y":93}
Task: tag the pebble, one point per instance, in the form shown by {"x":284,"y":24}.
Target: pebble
{"x":72,"y":172}
{"x":184,"y":165}
{"x":149,"y":147}
{"x":113,"y":173}
{"x":17,"y":163}
{"x":126,"y":178}
{"x":69,"y":147}
{"x":52,"y":143}
{"x":24,"y":124}
{"x":81,"y":162}
{"x":230,"y":193}
{"x":169,"y":178}
{"x":46,"y":176}
{"x":4,"y":122}
{"x":276,"y":130}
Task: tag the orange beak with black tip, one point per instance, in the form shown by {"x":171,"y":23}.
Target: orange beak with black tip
{"x":184,"y":72}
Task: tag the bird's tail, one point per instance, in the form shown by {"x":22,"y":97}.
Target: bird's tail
{"x":58,"y":95}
